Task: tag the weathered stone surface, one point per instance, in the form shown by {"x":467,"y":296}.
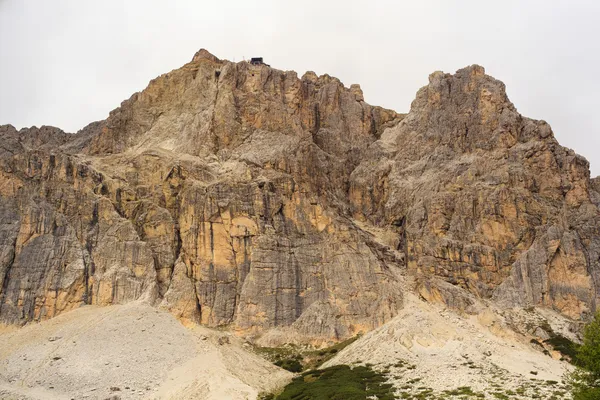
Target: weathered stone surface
{"x":243,"y":196}
{"x":483,"y":197}
{"x":435,"y":290}
{"x":216,"y":192}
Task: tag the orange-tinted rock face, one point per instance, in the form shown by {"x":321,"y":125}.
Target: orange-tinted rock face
{"x":487,"y":199}
{"x":240,"y":195}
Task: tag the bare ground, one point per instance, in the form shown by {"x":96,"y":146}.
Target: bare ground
{"x":135,"y":351}
{"x":129,"y":352}
{"x":427,"y":347}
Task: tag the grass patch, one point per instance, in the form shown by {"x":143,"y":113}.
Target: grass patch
{"x":314,"y":359}
{"x":463,"y":391}
{"x":296,"y":359}
{"x":287,"y":357}
{"x":338,"y":383}
{"x":290,"y":364}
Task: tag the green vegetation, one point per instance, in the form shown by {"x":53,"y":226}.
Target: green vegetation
{"x":365,"y":381}
{"x":287,"y":357}
{"x":338,"y":383}
{"x":368,"y":381}
{"x":290,"y":364}
{"x":314,"y":359}
{"x":463,"y":391}
{"x":296,"y":359}
{"x":585,"y":380}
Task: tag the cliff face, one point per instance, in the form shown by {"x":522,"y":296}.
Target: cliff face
{"x":484,"y":198}
{"x":240,"y":195}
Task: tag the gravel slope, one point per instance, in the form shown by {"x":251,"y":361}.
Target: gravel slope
{"x":129,"y":352}
{"x":431,"y":347}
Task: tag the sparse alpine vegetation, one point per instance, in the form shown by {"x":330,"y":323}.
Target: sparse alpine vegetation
{"x":340,"y":382}
{"x":296,"y":358}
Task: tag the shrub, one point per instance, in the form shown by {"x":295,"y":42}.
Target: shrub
{"x":291,"y":364}
{"x":338,"y":383}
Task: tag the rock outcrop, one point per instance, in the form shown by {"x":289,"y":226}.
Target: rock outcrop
{"x":484,"y":198}
{"x":240,"y":195}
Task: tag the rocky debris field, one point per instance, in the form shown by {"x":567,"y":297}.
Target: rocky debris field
{"x":138,"y":352}
{"x":430,"y":352}
{"x":128,"y":352}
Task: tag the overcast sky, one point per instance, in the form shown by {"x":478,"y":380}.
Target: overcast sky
{"x":69,"y":62}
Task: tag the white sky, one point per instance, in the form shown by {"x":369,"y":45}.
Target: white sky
{"x":69,"y":62}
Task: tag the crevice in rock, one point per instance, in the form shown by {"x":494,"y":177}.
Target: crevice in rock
{"x":373,"y":127}
{"x":89,"y":267}
{"x":247,"y":263}
{"x":213,"y":119}
{"x":266,"y":203}
{"x":280,"y":214}
{"x":345,"y":126}
{"x":212,"y":241}
{"x":6,"y":280}
{"x":88,"y":271}
{"x":237,"y":273}
{"x":177,"y":249}
{"x":317,"y":123}
{"x":195,"y":289}
{"x":117,"y":205}
{"x":298,"y":300}
{"x":113,"y":292}
{"x":400,"y":224}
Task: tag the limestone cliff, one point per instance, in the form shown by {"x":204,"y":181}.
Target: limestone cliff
{"x":240,"y":195}
{"x":484,"y":198}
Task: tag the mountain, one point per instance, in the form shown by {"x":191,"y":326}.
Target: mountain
{"x":287,"y":209}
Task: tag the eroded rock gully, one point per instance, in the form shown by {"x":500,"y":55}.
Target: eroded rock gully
{"x":243,"y":196}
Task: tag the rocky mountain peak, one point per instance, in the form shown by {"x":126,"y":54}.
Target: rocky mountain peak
{"x":468,"y":110}
{"x":204,"y":54}
{"x":289,"y":209}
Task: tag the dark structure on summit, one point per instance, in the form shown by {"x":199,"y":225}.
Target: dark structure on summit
{"x":258,"y":61}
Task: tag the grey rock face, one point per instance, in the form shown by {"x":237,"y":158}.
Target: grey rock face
{"x":483,"y":197}
{"x":243,"y":196}
{"x":214,"y":194}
